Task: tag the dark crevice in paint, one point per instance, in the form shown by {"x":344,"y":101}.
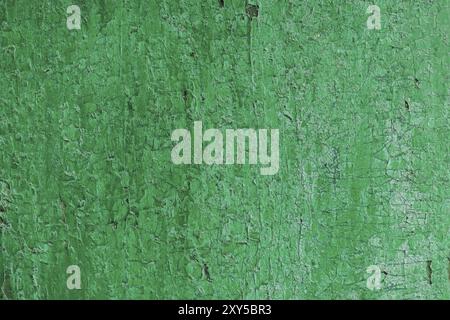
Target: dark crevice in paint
{"x":185,"y":94}
{"x":206,"y":272}
{"x":114,"y":224}
{"x":187,"y":102}
{"x":252,"y":11}
{"x":406,"y":105}
{"x":430,"y":272}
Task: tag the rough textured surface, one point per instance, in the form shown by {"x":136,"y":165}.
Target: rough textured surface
{"x":85,"y":170}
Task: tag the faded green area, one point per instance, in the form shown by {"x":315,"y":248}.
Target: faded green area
{"x":85,"y":171}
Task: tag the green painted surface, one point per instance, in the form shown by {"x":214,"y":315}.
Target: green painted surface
{"x":85,"y":171}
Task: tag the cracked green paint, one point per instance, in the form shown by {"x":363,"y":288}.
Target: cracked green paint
{"x":85,"y":172}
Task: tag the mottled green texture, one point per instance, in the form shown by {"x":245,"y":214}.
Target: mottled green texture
{"x":85,"y":170}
